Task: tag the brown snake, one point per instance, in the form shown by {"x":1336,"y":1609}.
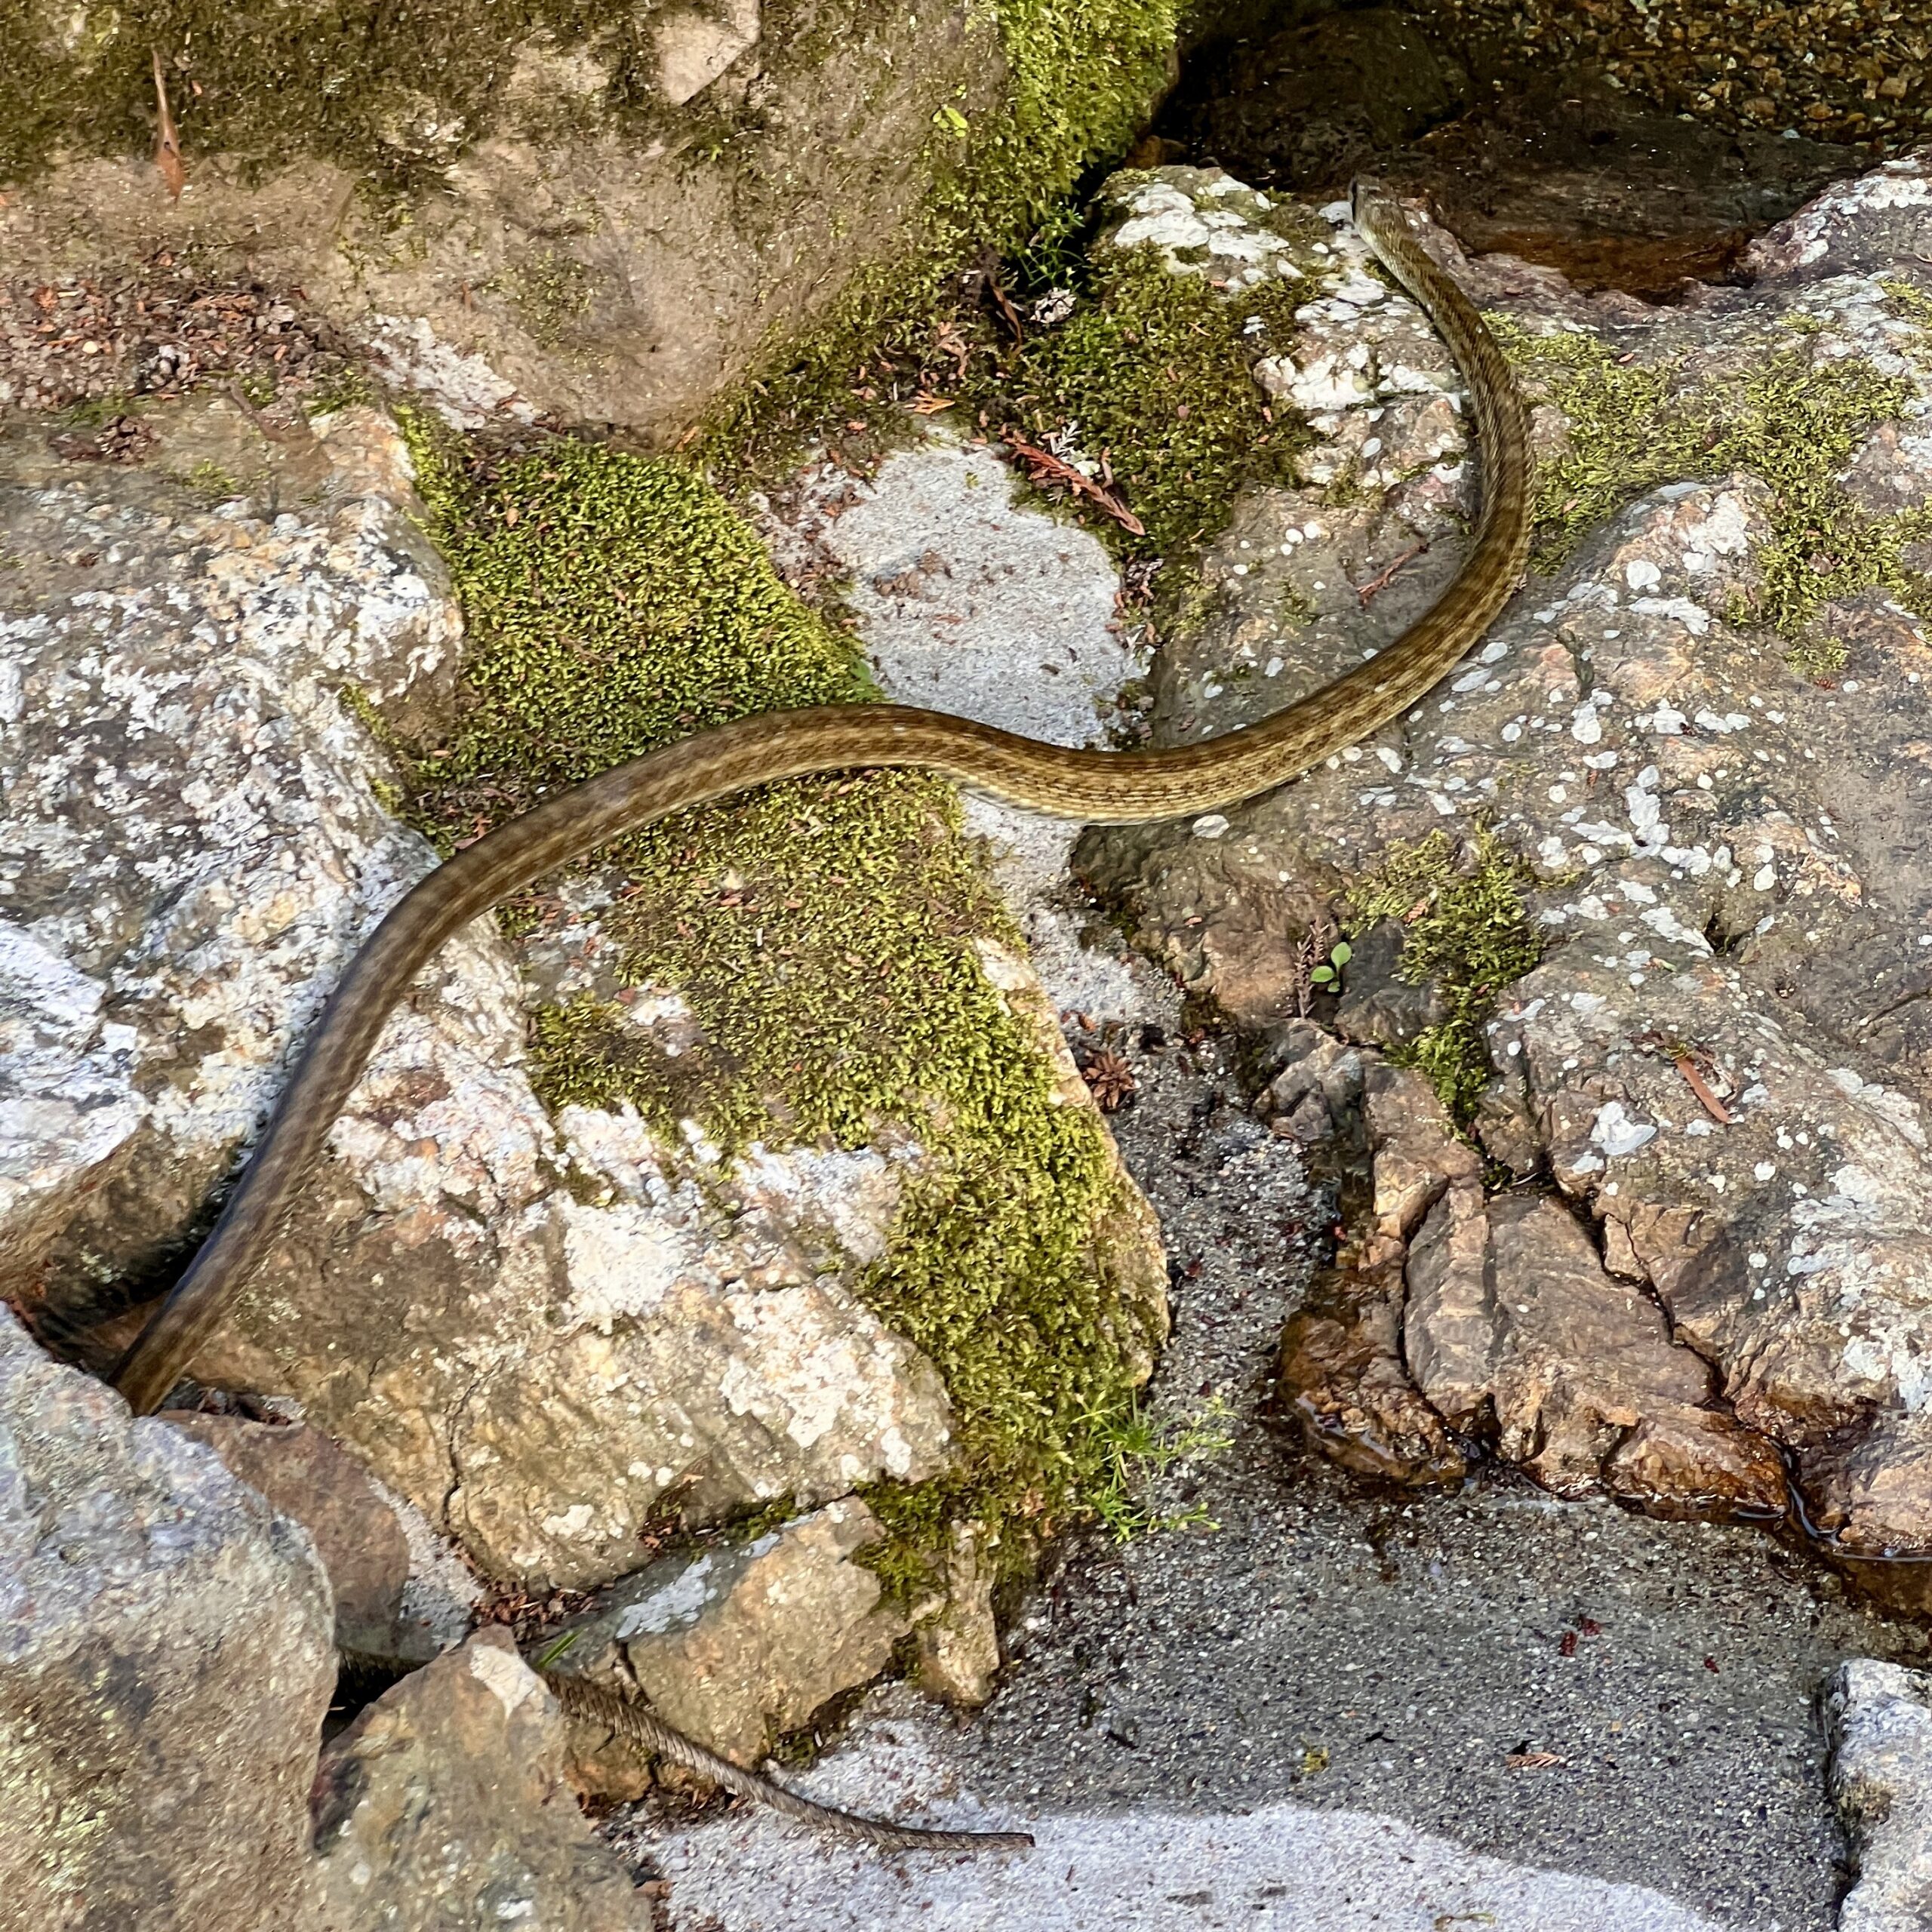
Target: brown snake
{"x":1098,"y":787}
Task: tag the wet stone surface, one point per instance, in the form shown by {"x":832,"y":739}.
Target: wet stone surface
{"x":1547,"y":161}
{"x":1568,"y":1686}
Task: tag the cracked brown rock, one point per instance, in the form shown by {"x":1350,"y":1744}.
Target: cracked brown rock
{"x":307,"y":1477}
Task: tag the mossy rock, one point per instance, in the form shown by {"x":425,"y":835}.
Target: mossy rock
{"x":516,"y":203}
{"x":852,"y":975}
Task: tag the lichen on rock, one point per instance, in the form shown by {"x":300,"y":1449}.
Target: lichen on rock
{"x":1713,"y":1055}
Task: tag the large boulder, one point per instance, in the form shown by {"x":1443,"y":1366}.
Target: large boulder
{"x":1682,"y":768}
{"x":166,"y":1658}
{"x":542,"y":214}
{"x":531,"y":1329}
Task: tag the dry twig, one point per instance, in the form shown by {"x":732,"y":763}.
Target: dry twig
{"x":167,"y":141}
{"x":1047,"y":467}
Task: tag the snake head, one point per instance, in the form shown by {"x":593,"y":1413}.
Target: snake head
{"x":1364,"y":189}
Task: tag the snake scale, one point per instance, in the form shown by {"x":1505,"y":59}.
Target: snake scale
{"x":1098,"y":787}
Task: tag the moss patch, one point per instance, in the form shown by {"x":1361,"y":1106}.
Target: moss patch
{"x":1082,"y":79}
{"x":1154,"y":373}
{"x":1466,"y":928}
{"x":1793,"y":419}
{"x":821,"y":933}
{"x":1150,"y":382}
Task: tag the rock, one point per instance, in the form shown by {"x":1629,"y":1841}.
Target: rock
{"x":739,"y":1645}
{"x":534,"y":1362}
{"x":1378,"y":1007}
{"x":1879,"y":1719}
{"x":547,"y":222}
{"x":1343,"y":1362}
{"x":1318,"y":1086}
{"x":1552,"y":165}
{"x":1417,"y":1154}
{"x":1201,"y":219}
{"x":443,"y":1808}
{"x":166,"y":1658}
{"x":694,"y":48}
{"x":1863,"y":227}
{"x":1342,"y":1371}
{"x":1721,"y":1059}
{"x":307,"y":1477}
{"x":959,"y":1643}
{"x":1587,"y":1392}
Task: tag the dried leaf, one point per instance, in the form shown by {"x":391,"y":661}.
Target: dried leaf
{"x":1712,"y":1105}
{"x":1045,"y":465}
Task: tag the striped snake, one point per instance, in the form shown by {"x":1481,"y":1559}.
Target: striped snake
{"x":1097,"y":787}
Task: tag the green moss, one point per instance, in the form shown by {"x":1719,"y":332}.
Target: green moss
{"x":549,"y":290}
{"x":212,"y":483}
{"x":822,"y":934}
{"x":1791,"y":419}
{"x":1082,"y":79}
{"x":1466,"y":929}
{"x":346,"y":387}
{"x":1155,"y":372}
{"x":1818,"y":657}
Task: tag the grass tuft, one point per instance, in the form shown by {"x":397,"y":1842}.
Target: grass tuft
{"x":1465,"y":927}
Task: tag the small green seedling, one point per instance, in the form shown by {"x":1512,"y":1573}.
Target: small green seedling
{"x":1328,"y":975}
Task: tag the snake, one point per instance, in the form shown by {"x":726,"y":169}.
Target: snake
{"x":1093,"y":785}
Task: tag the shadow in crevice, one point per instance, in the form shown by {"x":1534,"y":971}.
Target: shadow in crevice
{"x":1551,"y":164}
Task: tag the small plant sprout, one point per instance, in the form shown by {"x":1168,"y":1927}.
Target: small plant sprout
{"x":1328,"y":975}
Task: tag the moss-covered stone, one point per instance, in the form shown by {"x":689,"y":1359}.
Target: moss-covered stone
{"x":1082,"y":80}
{"x":1793,"y":418}
{"x":1465,"y":927}
{"x":824,"y":934}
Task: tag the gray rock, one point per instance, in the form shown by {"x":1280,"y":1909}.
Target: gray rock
{"x":1723,"y":1055}
{"x":740,"y":1645}
{"x":1879,"y":1718}
{"x":166,"y":1657}
{"x":320,"y":1485}
{"x":444,"y":1808}
{"x":1862,"y":226}
{"x":195,"y":842}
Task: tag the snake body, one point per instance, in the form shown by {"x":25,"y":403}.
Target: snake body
{"x":1098,"y":787}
